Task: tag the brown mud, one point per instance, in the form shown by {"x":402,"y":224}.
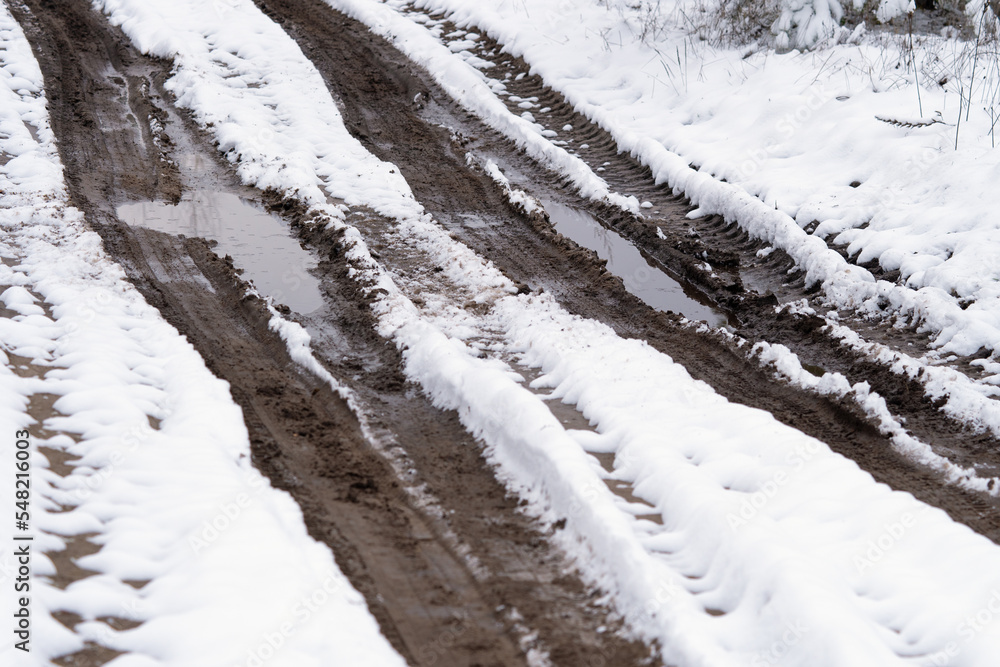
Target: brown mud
{"x":744,"y":285}
{"x":468,"y":580}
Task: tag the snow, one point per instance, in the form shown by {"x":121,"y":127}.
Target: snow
{"x":519,"y":198}
{"x":803,"y":23}
{"x":739,"y":493}
{"x":161,"y":478}
{"x":771,"y":548}
{"x":966,"y":400}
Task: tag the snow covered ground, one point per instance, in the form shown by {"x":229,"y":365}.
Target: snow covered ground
{"x":160,"y":475}
{"x":749,"y":543}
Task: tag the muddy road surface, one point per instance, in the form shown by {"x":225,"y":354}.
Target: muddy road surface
{"x":715,"y":258}
{"x":456,"y":575}
{"x":429,"y":136}
{"x":452,"y":570}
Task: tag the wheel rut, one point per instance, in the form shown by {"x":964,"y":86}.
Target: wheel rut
{"x":745,"y":284}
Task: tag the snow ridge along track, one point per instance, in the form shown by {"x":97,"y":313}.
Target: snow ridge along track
{"x":939,"y":405}
{"x":549,"y":44}
{"x":712,"y":582}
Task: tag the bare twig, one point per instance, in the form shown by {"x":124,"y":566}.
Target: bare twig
{"x":958,"y":124}
{"x":972,"y":79}
{"x":908,"y":123}
{"x":913,"y":59}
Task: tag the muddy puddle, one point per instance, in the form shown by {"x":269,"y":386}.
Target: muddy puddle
{"x":643,"y":279}
{"x":258,"y":242}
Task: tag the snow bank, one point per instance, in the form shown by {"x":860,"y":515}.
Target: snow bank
{"x":162,"y":480}
{"x":760,"y":522}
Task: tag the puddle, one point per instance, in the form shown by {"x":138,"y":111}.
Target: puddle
{"x":258,"y":242}
{"x":473,"y":221}
{"x":649,"y":283}
{"x":818,"y":371}
{"x":760,"y":280}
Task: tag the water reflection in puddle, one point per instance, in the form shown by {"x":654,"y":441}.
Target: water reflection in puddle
{"x":258,"y":242}
{"x":641,"y":278}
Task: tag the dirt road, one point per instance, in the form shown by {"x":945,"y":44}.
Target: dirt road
{"x":453,"y":572}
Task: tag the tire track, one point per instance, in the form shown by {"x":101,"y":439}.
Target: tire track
{"x":522,"y":599}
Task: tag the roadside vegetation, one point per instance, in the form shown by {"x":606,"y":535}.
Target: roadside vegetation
{"x":810,"y":24}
